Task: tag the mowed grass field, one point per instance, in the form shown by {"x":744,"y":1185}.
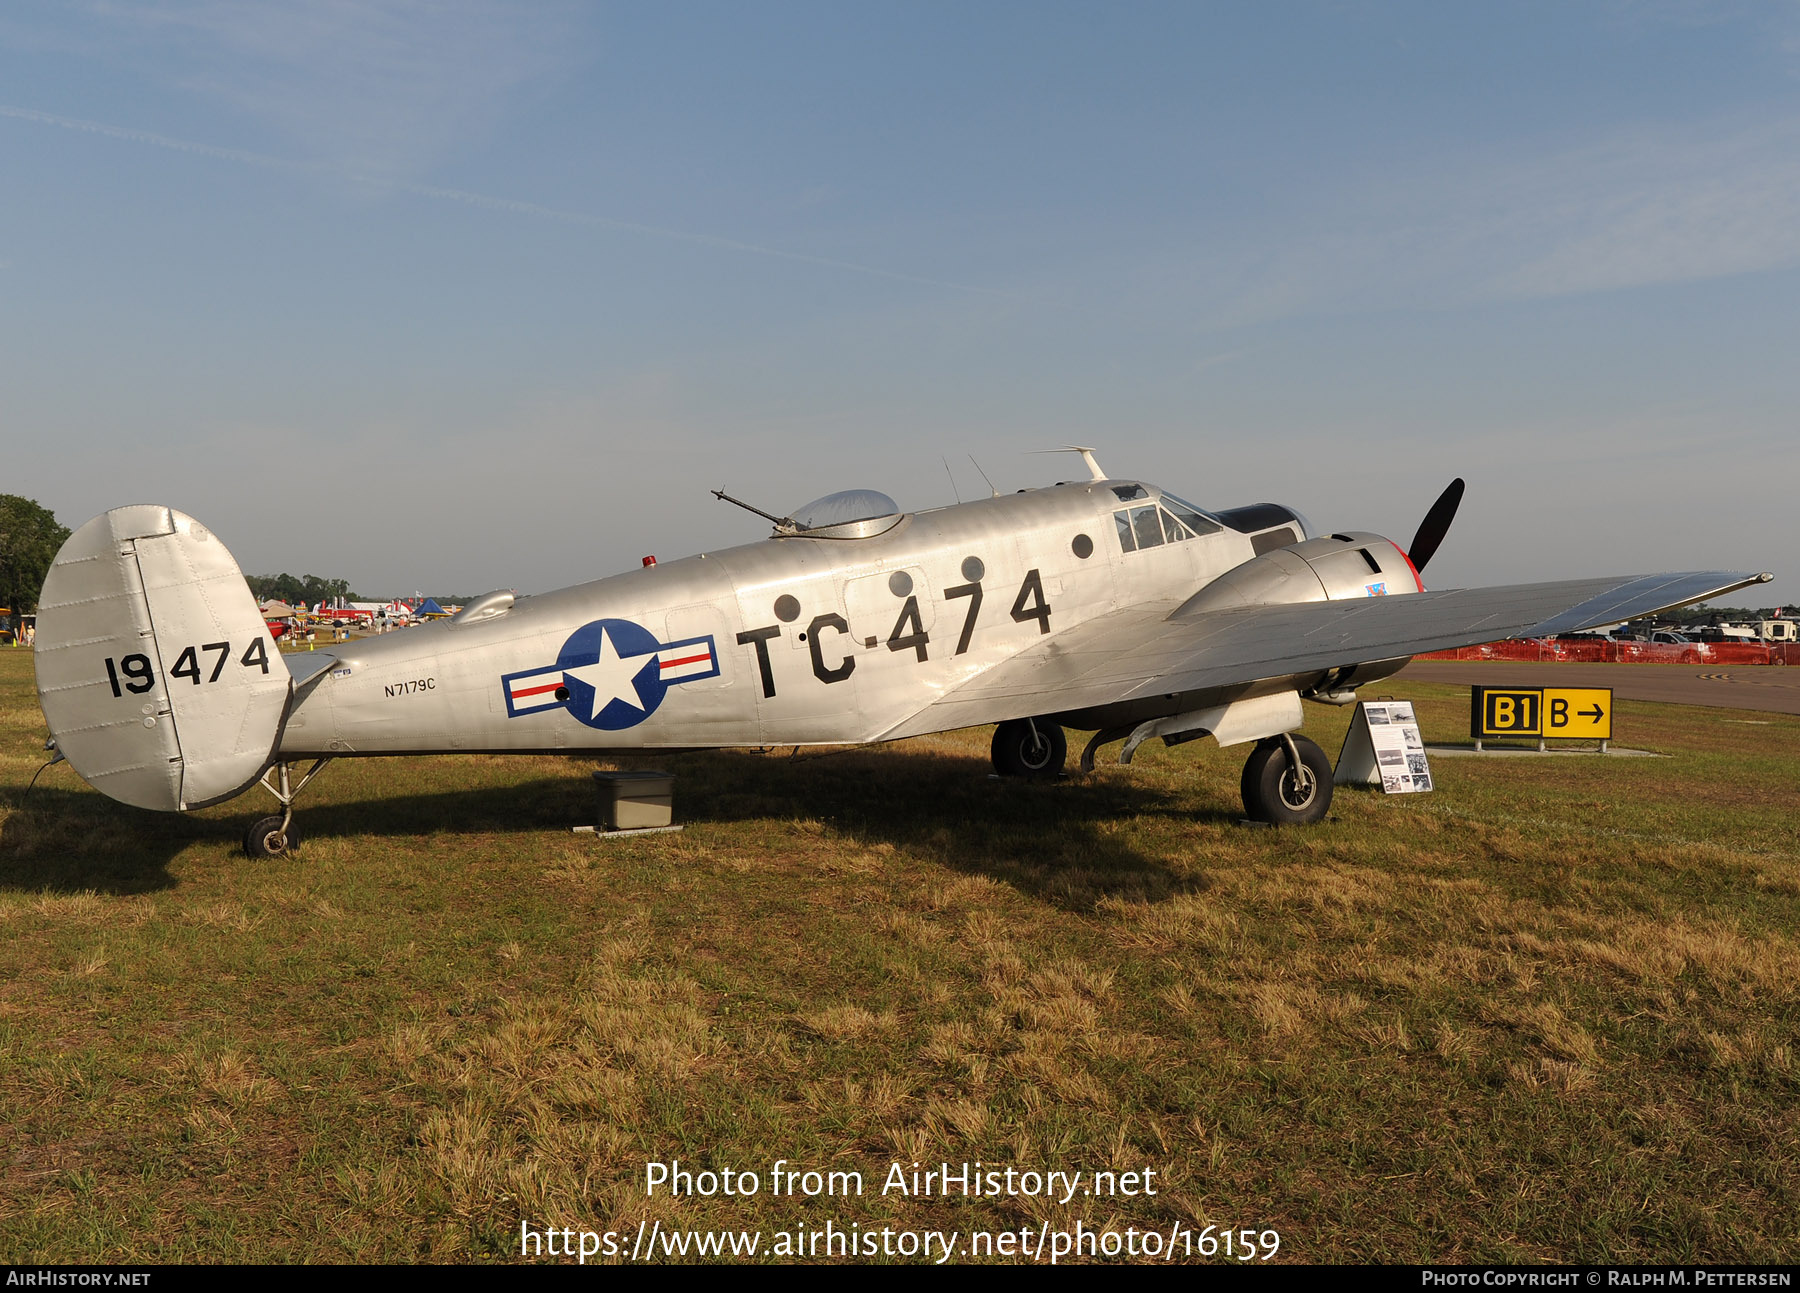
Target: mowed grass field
{"x":1547,"y":1012}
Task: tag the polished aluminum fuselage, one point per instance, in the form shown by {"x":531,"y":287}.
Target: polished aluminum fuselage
{"x":816,"y":640}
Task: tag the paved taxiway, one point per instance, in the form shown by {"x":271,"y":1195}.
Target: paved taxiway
{"x":1771,"y":688}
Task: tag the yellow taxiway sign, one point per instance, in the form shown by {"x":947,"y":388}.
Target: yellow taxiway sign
{"x":1582,"y":713}
{"x":1548,"y":713}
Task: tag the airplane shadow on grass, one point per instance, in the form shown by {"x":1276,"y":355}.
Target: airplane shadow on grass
{"x":72,"y":839}
{"x":1051,"y":840}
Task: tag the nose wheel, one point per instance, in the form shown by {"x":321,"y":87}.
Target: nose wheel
{"x":1287,"y":781}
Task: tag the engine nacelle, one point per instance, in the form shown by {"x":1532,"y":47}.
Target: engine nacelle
{"x":1330,"y":568}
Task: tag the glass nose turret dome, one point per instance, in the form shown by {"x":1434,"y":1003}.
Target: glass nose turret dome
{"x":848,"y":514}
{"x":845,"y":506}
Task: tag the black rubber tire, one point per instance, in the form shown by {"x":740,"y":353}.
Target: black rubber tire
{"x":1270,"y":791}
{"x":265,"y":840}
{"x":1021,"y":751}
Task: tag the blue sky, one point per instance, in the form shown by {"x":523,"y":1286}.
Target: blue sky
{"x":465,"y":295}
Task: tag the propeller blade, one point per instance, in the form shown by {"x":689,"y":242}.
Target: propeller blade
{"x":1435,"y":525}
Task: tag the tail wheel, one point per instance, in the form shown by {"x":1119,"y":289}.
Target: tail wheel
{"x":266,"y":838}
{"x":1284,"y":789}
{"x":1029,"y":747}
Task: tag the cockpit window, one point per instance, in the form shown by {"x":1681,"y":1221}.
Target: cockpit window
{"x":1151,"y":526}
{"x":1139,"y":527}
{"x":1128,"y":492}
{"x":1191,"y":516}
{"x":1146,"y":527}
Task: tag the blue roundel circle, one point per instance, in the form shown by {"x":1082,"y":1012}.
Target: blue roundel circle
{"x":612,"y":673}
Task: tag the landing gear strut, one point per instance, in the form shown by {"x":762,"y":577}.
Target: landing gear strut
{"x":273,"y":837}
{"x":1287,"y":781}
{"x":1029,"y":747}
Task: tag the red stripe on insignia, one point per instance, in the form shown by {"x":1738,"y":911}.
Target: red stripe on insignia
{"x":535,"y":691}
{"x":691,"y":659}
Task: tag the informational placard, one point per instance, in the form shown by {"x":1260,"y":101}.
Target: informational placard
{"x":1383,"y":748}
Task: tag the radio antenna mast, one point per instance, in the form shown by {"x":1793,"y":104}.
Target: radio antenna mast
{"x":992,"y":492}
{"x":1087,"y":457}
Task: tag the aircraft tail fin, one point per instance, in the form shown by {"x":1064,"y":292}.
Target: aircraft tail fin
{"x":157,"y":675}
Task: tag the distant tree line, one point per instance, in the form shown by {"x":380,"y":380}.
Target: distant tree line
{"x":29,"y":538}
{"x":1719,"y":614}
{"x":309,"y":590}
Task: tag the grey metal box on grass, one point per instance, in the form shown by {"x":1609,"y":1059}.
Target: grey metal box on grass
{"x":635,"y":801}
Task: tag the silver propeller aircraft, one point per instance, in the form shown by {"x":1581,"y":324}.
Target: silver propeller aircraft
{"x":1109,"y":606}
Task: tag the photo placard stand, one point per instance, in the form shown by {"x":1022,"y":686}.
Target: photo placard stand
{"x":1383,"y":748}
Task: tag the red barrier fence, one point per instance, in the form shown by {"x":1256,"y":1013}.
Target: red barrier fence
{"x":1586,"y":651}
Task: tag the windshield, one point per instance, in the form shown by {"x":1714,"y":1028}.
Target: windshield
{"x":1189,"y":515}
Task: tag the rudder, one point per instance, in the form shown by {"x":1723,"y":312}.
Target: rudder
{"x":160,"y":682}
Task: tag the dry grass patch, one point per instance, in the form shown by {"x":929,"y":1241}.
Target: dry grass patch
{"x":1543,"y":1013}
{"x":227,"y":915}
{"x":1548,"y":1026}
{"x":84,"y":908}
{"x":1294,"y":1010}
{"x":1723,"y":953}
{"x":1195,"y":921}
{"x":1454,"y":1045}
{"x":230,"y":1077}
{"x":543,"y":1103}
{"x":845,"y":1022}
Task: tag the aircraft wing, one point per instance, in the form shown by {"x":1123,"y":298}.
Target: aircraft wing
{"x":1131,"y":655}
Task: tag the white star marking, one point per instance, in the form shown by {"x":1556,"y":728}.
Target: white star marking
{"x":610,"y":676}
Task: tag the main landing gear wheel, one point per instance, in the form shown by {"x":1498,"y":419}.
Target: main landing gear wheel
{"x":1287,"y":781}
{"x":1029,"y":747}
{"x":267,"y":838}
